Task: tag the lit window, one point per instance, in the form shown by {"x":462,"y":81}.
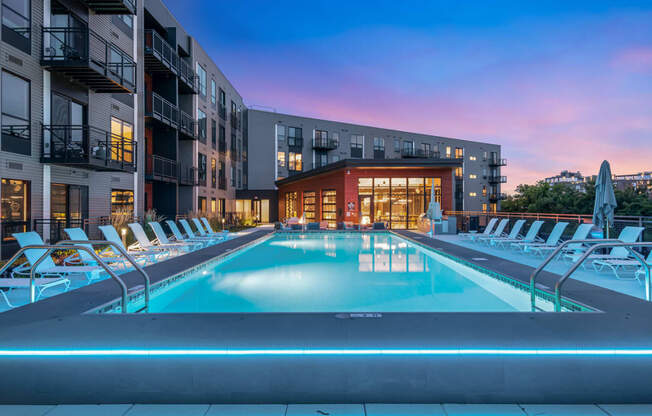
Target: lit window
{"x":448,"y":151}
{"x":281,"y":159}
{"x":472,"y":158}
{"x":122,"y":145}
{"x":473,"y":176}
{"x":472,"y":194}
{"x":484,"y":207}
{"x":294,"y":161}
{"x":459,"y":152}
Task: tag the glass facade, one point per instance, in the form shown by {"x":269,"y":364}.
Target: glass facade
{"x":309,"y":199}
{"x":329,"y":207}
{"x":291,"y":208}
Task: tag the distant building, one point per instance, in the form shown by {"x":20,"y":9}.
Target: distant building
{"x":641,"y":180}
{"x":574,"y":179}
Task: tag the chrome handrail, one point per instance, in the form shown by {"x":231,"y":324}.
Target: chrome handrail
{"x":551,"y":257}
{"x":126,"y":255}
{"x":588,"y":252}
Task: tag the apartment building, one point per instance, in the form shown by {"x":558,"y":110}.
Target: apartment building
{"x":574,"y":179}
{"x":300,"y":164}
{"x":68,"y":149}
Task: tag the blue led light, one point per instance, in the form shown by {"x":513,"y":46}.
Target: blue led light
{"x":323,"y":352}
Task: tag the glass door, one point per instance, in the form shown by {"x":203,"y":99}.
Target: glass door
{"x":365,"y":214}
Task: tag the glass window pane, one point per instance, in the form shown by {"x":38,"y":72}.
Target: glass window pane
{"x":15,"y":96}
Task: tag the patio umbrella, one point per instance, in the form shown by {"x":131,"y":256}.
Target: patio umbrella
{"x":434,"y":210}
{"x":605,"y":199}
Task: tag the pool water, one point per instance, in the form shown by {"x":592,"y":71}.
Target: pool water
{"x":334,"y":272}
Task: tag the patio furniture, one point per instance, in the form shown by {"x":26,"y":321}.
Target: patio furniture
{"x":178,"y":236}
{"x":134,"y":250}
{"x":487,"y":230}
{"x":551,"y":241}
{"x":499,"y":232}
{"x":530,"y":237}
{"x":514,"y":233}
{"x":164,"y":241}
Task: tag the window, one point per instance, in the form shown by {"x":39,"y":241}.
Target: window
{"x":222,"y":175}
{"x":201,"y":204}
{"x":425,"y":149}
{"x":214,"y":134}
{"x":239,"y":179}
{"x":222,"y":146}
{"x":233,"y":176}
{"x":484,"y":207}
{"x":213,"y":172}
{"x":448,"y":151}
{"x":291,"y":205}
{"x":321,"y":159}
{"x":379,"y":144}
{"x":473,"y":194}
{"x":335,"y":137}
{"x":484,"y":155}
{"x":408,"y":147}
{"x":397,"y":145}
{"x":16,"y":24}
{"x":202,"y":168}
{"x":335,"y":158}
{"x":484,"y":190}
{"x":294,"y":161}
{"x":15,"y":114}
{"x":295,"y":137}
{"x":329,"y":207}
{"x":280,"y":134}
{"x":357,"y":145}
{"x":122,"y":203}
{"x":234,"y":149}
{"x":472,"y":158}
{"x":222,"y":208}
{"x":309,"y":199}
{"x":321,"y":135}
{"x":459,"y":172}
{"x":201,"y":121}
{"x":473,"y":176}
{"x":15,"y":207}
{"x":201,"y":75}
{"x":69,"y":203}
{"x":122,"y":136}
{"x":280,"y":156}
{"x":213,"y":205}
{"x":213,"y":93}
{"x":459,"y":152}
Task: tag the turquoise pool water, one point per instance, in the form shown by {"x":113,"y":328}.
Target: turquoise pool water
{"x":333,"y":272}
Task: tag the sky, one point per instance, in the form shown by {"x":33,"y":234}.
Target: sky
{"x":559,"y":84}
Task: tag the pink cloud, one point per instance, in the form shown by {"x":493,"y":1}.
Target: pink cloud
{"x":638,"y":59}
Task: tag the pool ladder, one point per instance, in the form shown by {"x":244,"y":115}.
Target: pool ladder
{"x":49,"y":248}
{"x":597,"y":245}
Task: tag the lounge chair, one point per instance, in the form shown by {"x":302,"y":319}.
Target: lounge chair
{"x":551,"y":241}
{"x":209,"y":229}
{"x":203,"y":233}
{"x":134,"y":250}
{"x":82,"y":257}
{"x":514,"y":233}
{"x":581,"y":233}
{"x":143,"y":242}
{"x":163,"y":240}
{"x":47,"y":266}
{"x":627,"y":235}
{"x":498,"y":233}
{"x":312,"y":226}
{"x":530,"y":236}
{"x":379,"y":226}
{"x":622,"y":265}
{"x":487,"y":230}
{"x":189,"y":232}
{"x":178,"y":236}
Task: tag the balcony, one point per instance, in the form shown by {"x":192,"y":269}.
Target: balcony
{"x":85,"y":57}
{"x":87,"y":147}
{"x":497,"y":197}
{"x":111,"y":6}
{"x":295,"y":143}
{"x":497,"y":179}
{"x":188,"y":176}
{"x":187,"y":126}
{"x":188,"y":80}
{"x":159,"y":109}
{"x":324,"y":144}
{"x":496,"y":162}
{"x":418,"y":153}
{"x":159,"y":168}
{"x":160,"y":56}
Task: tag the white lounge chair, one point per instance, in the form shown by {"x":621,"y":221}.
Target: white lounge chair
{"x":530,"y":236}
{"x":487,"y":230}
{"x":499,"y":232}
{"x":514,"y":233}
{"x":581,"y":233}
{"x":83,"y":258}
{"x":627,"y":235}
{"x":147,"y":256}
{"x":143,"y":242}
{"x":551,"y":241}
{"x":163,"y":240}
{"x":209,"y":229}
{"x":178,"y":236}
{"x":204,"y":233}
{"x":623,"y":265}
{"x":47,"y":266}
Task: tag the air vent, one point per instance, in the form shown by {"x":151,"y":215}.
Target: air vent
{"x":14,"y":165}
{"x":115,"y":179}
{"x":14,"y":60}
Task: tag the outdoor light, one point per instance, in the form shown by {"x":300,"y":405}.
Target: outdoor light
{"x":123,"y":231}
{"x":223,"y":224}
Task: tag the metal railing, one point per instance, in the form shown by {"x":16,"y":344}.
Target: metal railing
{"x":162,"y":166}
{"x":324,"y":143}
{"x":163,"y":51}
{"x":605,"y":244}
{"x":497,"y":196}
{"x":56,"y":227}
{"x":295,"y":141}
{"x":75,"y":47}
{"x":162,"y":109}
{"x":125,"y":254}
{"x":552,"y":256}
{"x":187,"y":124}
{"x":187,"y":75}
{"x":188,"y":176}
{"x":49,"y":248}
{"x":495,"y":161}
{"x":496,"y":179}
{"x":83,"y":144}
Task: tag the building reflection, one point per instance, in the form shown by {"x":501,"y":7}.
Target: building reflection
{"x":388,"y":254}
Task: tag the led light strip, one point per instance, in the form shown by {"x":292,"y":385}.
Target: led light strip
{"x":320,"y":352}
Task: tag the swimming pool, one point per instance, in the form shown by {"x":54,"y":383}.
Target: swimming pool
{"x":339,"y":272}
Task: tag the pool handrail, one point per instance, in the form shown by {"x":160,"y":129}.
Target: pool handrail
{"x":587,"y":253}
{"x":552,"y":256}
{"x":49,"y":248}
{"x":126,"y":255}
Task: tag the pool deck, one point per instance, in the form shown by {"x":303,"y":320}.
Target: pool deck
{"x":58,"y":323}
{"x":367,"y":409}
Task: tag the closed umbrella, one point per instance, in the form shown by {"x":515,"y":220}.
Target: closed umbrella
{"x":605,"y":199}
{"x":434,"y":210}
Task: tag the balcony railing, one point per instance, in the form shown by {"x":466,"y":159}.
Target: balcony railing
{"x":295,"y":142}
{"x":497,"y":179}
{"x":111,"y":6}
{"x":87,"y":58}
{"x":497,"y":197}
{"x":419,"y":153}
{"x":324,"y":144}
{"x":160,"y":56}
{"x":161,"y":168}
{"x":187,"y":126}
{"x":87,"y":147}
{"x":158,"y":108}
{"x":495,"y":162}
{"x":16,"y":139}
{"x":188,"y":176}
{"x":188,"y":80}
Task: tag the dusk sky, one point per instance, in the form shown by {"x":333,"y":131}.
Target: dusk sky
{"x":559,"y":87}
